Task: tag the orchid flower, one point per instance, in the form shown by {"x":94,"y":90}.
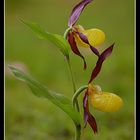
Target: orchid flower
{"x":88,"y":117}
{"x":91,"y":38}
{"x":78,"y":36}
{"x":103,"y":101}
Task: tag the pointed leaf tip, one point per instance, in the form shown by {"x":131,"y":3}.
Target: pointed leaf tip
{"x":55,"y":39}
{"x":10,"y":67}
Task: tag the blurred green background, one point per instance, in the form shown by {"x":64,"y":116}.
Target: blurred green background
{"x":30,"y":118}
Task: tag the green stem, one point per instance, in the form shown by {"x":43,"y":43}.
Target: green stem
{"x":66,"y":33}
{"x":75,"y":101}
{"x":68,"y":60}
{"x":77,"y":93}
{"x":77,"y":126}
{"x":73,"y":82}
{"x":74,"y":87}
{"x":78,"y":132}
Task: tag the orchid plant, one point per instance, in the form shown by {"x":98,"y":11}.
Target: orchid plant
{"x":74,"y":37}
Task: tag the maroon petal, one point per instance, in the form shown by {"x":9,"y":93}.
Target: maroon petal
{"x":106,"y":52}
{"x":77,"y":11}
{"x":74,"y":48}
{"x":95,"y":71}
{"x":87,"y":115}
{"x":101,"y":59}
{"x":92,"y":123}
{"x":84,"y":39}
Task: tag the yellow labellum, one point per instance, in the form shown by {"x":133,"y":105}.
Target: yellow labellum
{"x":107,"y":102}
{"x":95,"y":37}
{"x":104,"y":101}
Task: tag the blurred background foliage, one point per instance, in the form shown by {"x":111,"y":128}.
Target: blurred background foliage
{"x":30,"y":118}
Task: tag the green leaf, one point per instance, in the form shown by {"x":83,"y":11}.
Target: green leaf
{"x":56,"y":39}
{"x":42,"y":91}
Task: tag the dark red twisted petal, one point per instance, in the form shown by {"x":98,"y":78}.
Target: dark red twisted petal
{"x":106,"y":52}
{"x":84,"y":39}
{"x":101,"y":59}
{"x":87,"y":115}
{"x":77,"y":10}
{"x":74,"y":48}
{"x":92,"y":122}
